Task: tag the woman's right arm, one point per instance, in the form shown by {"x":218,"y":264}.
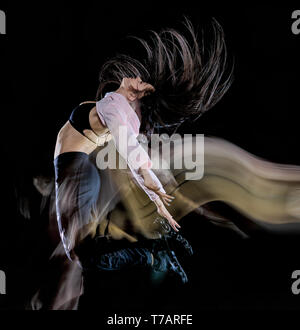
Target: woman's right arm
{"x":113,"y":108}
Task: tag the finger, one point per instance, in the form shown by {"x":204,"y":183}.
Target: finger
{"x":162,"y":194}
{"x":169,"y":200}
{"x":165,"y":201}
{"x":177,"y":224}
{"x":174,"y":227}
{"x":171,"y":220}
{"x":168,"y":196}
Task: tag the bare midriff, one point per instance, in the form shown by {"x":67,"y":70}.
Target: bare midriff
{"x":70,"y":140}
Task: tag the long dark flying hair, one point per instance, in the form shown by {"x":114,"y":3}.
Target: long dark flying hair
{"x":189,"y":77}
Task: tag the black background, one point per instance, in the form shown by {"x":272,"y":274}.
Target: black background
{"x":50,"y":59}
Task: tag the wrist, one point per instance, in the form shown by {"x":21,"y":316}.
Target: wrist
{"x":158,"y":202}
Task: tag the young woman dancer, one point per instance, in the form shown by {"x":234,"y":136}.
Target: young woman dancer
{"x":159,"y":91}
{"x":177,"y":81}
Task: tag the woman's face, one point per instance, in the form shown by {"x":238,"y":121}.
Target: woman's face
{"x":140,"y":85}
{"x":136,"y":88}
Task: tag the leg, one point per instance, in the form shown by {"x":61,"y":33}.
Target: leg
{"x":77,"y":190}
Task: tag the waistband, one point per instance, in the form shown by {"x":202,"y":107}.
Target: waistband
{"x":70,"y":155}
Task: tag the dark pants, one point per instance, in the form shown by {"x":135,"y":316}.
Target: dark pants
{"x":77,"y":190}
{"x":77,"y":185}
{"x":100,"y":253}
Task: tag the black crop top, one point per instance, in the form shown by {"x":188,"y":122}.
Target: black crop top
{"x":79,"y":117}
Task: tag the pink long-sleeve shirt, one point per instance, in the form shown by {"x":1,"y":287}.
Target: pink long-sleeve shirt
{"x":114,"y":112}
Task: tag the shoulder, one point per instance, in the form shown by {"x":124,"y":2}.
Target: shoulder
{"x":81,"y":108}
{"x":88,"y":105}
{"x":88,"y":102}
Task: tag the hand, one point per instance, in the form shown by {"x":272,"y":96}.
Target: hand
{"x":167,"y":199}
{"x":134,"y":88}
{"x":162,"y":211}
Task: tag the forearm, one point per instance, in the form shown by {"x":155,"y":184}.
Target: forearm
{"x":141,"y":182}
{"x":115,"y":110}
{"x":158,"y":202}
{"x":151,"y":179}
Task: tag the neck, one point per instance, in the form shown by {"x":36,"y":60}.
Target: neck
{"x":135,"y":105}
